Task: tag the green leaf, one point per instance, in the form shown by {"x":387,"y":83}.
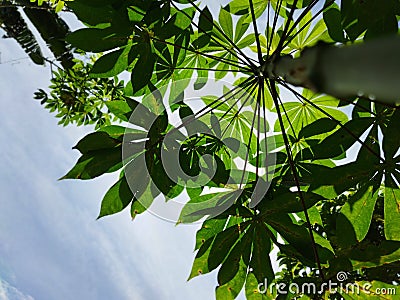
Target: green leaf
{"x":332,"y":18}
{"x":95,"y":39}
{"x":120,"y":109}
{"x":116,"y":132}
{"x":225,"y":20}
{"x":240,"y":7}
{"x":96,"y":141}
{"x":297,"y":237}
{"x":143,"y":69}
{"x":372,"y":255}
{"x":111,"y":64}
{"x":136,"y":209}
{"x":134,"y":112}
{"x":305,"y":24}
{"x":200,"y":264}
{"x":223,"y":68}
{"x":330,"y":182}
{"x":200,"y":206}
{"x":222,"y":245}
{"x":318,"y":127}
{"x":209,"y":229}
{"x":246,"y":41}
{"x":184,"y":18}
{"x":392,"y":209}
{"x":136,"y":14}
{"x":92,"y":14}
{"x":230,"y":267}
{"x":256,"y":290}
{"x":241,"y":27}
{"x":116,"y":199}
{"x":231,"y":289}
{"x":160,"y":178}
{"x":205,"y":21}
{"x":260,"y":260}
{"x":341,"y":140}
{"x":288,"y":202}
{"x":300,"y":114}
{"x":378,"y":17}
{"x":359,"y":210}
{"x":391,"y":139}
{"x":96,"y":163}
{"x":374,"y":17}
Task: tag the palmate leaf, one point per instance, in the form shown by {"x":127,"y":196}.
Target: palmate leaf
{"x":131,"y":25}
{"x":304,"y":37}
{"x":233,"y":251}
{"x":361,"y":205}
{"x":227,"y":42}
{"x":301,"y":114}
{"x":101,"y":152}
{"x":235,"y":122}
{"x":175,"y":67}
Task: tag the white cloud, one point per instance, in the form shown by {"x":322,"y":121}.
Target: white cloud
{"x":8,"y":292}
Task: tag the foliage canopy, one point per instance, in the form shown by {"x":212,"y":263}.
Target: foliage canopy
{"x":327,"y":168}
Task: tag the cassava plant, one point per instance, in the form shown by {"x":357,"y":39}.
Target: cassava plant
{"x":278,"y":121}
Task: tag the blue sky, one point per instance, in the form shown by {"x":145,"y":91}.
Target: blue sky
{"x":51,"y":246}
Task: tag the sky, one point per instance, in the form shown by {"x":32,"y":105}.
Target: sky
{"x":51,"y":246}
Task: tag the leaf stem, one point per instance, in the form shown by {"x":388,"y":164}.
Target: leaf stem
{"x":275,"y":96}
